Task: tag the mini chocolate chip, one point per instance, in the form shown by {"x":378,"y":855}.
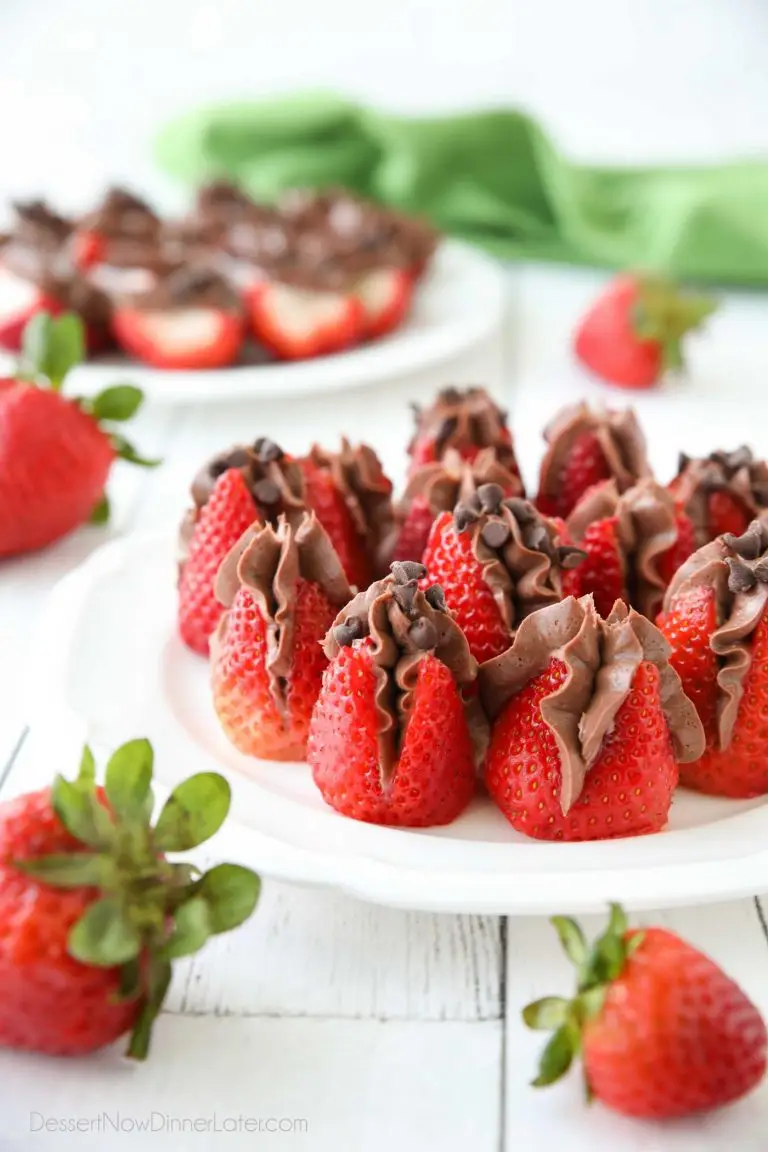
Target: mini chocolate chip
{"x":569,"y":557}
{"x":404,"y":596}
{"x":350,"y":629}
{"x":474,"y":502}
{"x":237,"y":458}
{"x":760,"y":492}
{"x":733,"y":461}
{"x":406,"y":570}
{"x":495,"y":533}
{"x":266,"y":492}
{"x":450,"y":396}
{"x":267,"y":450}
{"x":537,"y":538}
{"x":749,"y":545}
{"x":463,"y":516}
{"x":683,"y":460}
{"x":436,"y":598}
{"x":741,"y":578}
{"x":522,"y":510}
{"x":447,"y":428}
{"x":761,"y":570}
{"x":423,"y":633}
{"x":490,"y":497}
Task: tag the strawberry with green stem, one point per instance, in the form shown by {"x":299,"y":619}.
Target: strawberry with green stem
{"x":93,"y":911}
{"x":56,"y":452}
{"x":661,"y":1030}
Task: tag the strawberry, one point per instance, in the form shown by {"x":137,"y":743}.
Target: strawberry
{"x":634,"y":543}
{"x":714,"y":617}
{"x":439,"y":487}
{"x":352,"y":499}
{"x":589,"y":722}
{"x":386,"y":295}
{"x":632,"y":334}
{"x":55,"y":456}
{"x":466,"y":421}
{"x":497,"y":560}
{"x":661,"y":1030}
{"x":229,"y":493}
{"x":192,"y":318}
{"x":390,"y":741}
{"x":282,"y":589}
{"x":92,"y":910}
{"x":721,"y":492}
{"x":585,"y":448}
{"x":297,"y":324}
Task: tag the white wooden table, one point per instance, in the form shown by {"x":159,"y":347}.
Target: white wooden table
{"x":326,"y":1024}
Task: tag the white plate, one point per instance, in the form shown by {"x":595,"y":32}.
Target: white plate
{"x":107,"y":654}
{"x":459,"y":303}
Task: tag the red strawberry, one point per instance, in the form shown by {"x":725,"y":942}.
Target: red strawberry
{"x":54,"y":455}
{"x":353,"y":501}
{"x":714,"y":618}
{"x":386,"y":295}
{"x":662,"y":1031}
{"x":632,"y":334}
{"x":229,"y":493}
{"x":497,"y":560}
{"x":282,"y":589}
{"x":721,"y":492}
{"x":598,"y":700}
{"x":585,"y":448}
{"x":297,"y":324}
{"x":602,"y":572}
{"x":190,"y":319}
{"x":465,"y":421}
{"x":92,"y":912}
{"x":439,"y":487}
{"x":389,"y":741}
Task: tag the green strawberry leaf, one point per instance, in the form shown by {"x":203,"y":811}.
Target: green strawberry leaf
{"x":572,"y":939}
{"x":557,"y":1056}
{"x":35,"y":340}
{"x":547,"y":1014}
{"x":86,"y":775}
{"x":128,"y":779}
{"x":66,"y":347}
{"x":191,"y":929}
{"x":590,"y":1002}
{"x":617,"y":921}
{"x":100,"y":514}
{"x":158,"y":982}
{"x":118,"y":403}
{"x":103,"y":936}
{"x":82,"y":814}
{"x":71,"y":869}
{"x":126,"y":451}
{"x":631,"y":946}
{"x":193,"y":812}
{"x":231,"y":893}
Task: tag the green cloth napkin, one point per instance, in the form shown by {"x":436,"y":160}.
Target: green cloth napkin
{"x":493,"y":178}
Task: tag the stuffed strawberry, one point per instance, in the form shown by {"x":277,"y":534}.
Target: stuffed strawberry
{"x":93,"y":912}
{"x":721,"y":492}
{"x":584,"y":448}
{"x":191,"y":318}
{"x":439,"y":487}
{"x":235,"y":488}
{"x":56,"y":453}
{"x":120,"y":233}
{"x":661,"y":1030}
{"x":391,"y":739}
{"x":634,"y":544}
{"x":497,"y":559}
{"x":282,"y":588}
{"x":714,"y":618}
{"x":385,"y":295}
{"x":353,"y":501}
{"x":466,"y":421}
{"x":632,"y":335}
{"x":589,"y":723}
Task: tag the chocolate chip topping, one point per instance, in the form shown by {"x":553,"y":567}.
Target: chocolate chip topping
{"x":466,"y":419}
{"x":404,"y":624}
{"x":736,"y":569}
{"x":495,"y":533}
{"x":267,"y":450}
{"x":738,"y":473}
{"x":37,"y":247}
{"x":464,"y":515}
{"x":189,"y":286}
{"x":266,"y":492}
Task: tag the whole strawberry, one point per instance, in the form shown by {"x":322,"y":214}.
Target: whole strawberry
{"x":716,"y":623}
{"x":634,"y":544}
{"x":93,"y":912}
{"x":497,"y":559}
{"x":661,"y":1030}
{"x":281,"y":588}
{"x":632,"y":335}
{"x":56,"y":453}
{"x":439,"y":487}
{"x":229,"y":493}
{"x":391,"y":739}
{"x":585,"y":448}
{"x":589,"y":721}
{"x":721,"y":492}
{"x":352,"y":499}
{"x":465,"y":420}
